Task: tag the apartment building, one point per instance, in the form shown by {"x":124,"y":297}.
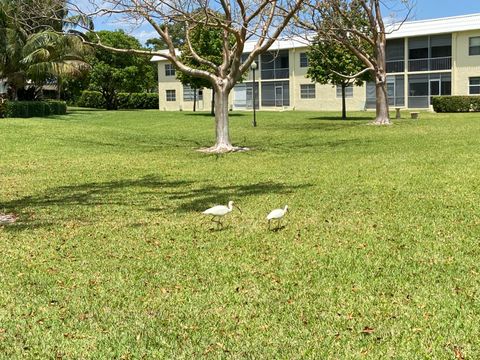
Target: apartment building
{"x":424,"y":59}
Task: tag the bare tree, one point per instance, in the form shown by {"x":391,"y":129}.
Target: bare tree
{"x":261,"y":21}
{"x":359,"y":26}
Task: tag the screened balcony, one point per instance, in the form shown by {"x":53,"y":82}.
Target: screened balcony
{"x":430,"y":64}
{"x":394,"y":66}
{"x":430,"y":53}
{"x":395,"y":54}
{"x":275,"y":65}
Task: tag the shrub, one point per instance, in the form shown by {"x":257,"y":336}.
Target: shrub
{"x":450,"y":104}
{"x":57,"y":107}
{"x":26,"y":109}
{"x":91,"y":99}
{"x":94,"y":99}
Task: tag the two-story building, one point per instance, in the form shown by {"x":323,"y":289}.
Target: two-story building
{"x":424,"y":59}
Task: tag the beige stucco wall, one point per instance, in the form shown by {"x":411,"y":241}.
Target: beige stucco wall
{"x":325,"y":100}
{"x":171,"y":83}
{"x":326,"y":95}
{"x":465,"y":65}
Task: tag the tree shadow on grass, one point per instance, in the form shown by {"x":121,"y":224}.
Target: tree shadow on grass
{"x":367,"y":117}
{"x":175,"y":196}
{"x":208,"y":115}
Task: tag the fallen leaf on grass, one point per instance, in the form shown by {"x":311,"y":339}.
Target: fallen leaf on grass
{"x":458,"y":353}
{"x":367,"y":330}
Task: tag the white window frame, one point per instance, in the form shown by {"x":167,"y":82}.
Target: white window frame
{"x":470,"y":46}
{"x":189,"y":93}
{"x":169,"y":70}
{"x":169,"y":93}
{"x":303,"y":64}
{"x":348,"y":92}
{"x":308,"y":91}
{"x":476,"y":86}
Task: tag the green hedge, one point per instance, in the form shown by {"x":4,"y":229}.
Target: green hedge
{"x":91,"y":99}
{"x":138,"y":101}
{"x":94,"y":99}
{"x":451,"y":104}
{"x":26,"y":109}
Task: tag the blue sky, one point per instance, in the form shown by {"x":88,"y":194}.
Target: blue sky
{"x":424,"y":9}
{"x":429,"y":9}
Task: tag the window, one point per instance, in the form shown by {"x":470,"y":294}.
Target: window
{"x":275,"y":93}
{"x":474,"y":86}
{"x":421,"y":88}
{"x":275,"y":65}
{"x":474,"y":45}
{"x":171,"y":95}
{"x":348,"y":91}
{"x":395,"y":92}
{"x":430,"y":53}
{"x":189,"y":93}
{"x":307,"y":91}
{"x":395,"y":52}
{"x":243,"y":96}
{"x":169,"y":70}
{"x":441,"y":46}
{"x":303,"y":60}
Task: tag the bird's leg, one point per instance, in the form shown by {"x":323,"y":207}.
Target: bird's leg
{"x":218,"y":222}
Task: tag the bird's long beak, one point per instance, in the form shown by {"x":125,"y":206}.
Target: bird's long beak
{"x":239,"y":209}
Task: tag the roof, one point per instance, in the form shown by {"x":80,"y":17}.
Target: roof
{"x":407,"y":29}
{"x":436,"y":26}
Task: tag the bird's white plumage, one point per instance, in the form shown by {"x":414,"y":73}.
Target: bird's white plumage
{"x":277,"y":213}
{"x":219,"y":210}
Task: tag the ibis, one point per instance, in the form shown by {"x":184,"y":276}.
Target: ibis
{"x":219,"y":211}
{"x":277,"y":214}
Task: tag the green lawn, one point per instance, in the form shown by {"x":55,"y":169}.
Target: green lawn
{"x":111,"y":258}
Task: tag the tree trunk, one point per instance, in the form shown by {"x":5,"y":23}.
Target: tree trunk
{"x":194,"y":99}
{"x":212,"y":109}
{"x":221,"y":121}
{"x":382,"y":116}
{"x":344,"y":103}
{"x":59,"y":88}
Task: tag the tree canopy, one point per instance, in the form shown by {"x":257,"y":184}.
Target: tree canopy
{"x":114,"y":72}
{"x":332,"y":63}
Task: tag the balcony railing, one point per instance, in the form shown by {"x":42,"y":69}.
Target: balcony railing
{"x":395,"y":66}
{"x":430,"y":64}
{"x":278,"y":73}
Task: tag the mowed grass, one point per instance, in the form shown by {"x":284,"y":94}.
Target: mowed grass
{"x":111,"y":258}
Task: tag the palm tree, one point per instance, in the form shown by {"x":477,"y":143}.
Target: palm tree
{"x":49,"y":55}
{"x":36,"y":51}
{"x":12,"y":40}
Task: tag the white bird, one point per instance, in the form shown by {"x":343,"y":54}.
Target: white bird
{"x":218,"y":211}
{"x":277,"y":214}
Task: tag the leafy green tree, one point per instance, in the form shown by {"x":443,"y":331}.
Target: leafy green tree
{"x":114,"y":72}
{"x":332,"y":63}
